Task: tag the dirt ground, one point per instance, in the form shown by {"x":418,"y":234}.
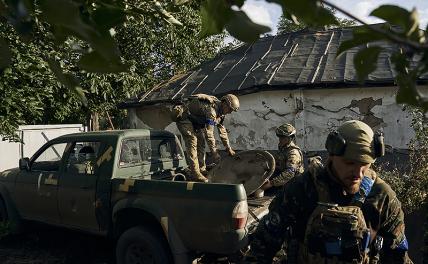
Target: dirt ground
{"x":48,"y":245}
{"x":55,"y":246}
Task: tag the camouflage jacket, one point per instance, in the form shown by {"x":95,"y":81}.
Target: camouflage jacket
{"x":289,"y":162}
{"x":291,"y":209}
{"x":204,"y":112}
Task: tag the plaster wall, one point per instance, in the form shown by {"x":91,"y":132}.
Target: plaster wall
{"x":313,"y":112}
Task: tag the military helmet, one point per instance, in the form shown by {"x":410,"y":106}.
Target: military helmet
{"x":285,"y":130}
{"x":231,"y":100}
{"x":355,"y":140}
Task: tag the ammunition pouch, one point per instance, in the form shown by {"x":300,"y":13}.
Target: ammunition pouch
{"x":337,"y":232}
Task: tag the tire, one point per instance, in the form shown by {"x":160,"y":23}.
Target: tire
{"x":139,"y":245}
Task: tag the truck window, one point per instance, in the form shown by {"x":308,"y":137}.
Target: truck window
{"x":82,"y":157}
{"x":50,"y":159}
{"x":139,"y":150}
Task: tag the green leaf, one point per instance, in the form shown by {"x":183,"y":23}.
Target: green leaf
{"x":365,"y":62}
{"x":400,"y":61}
{"x":395,"y":15}
{"x":67,"y":15}
{"x":94,"y":62}
{"x":238,"y":3}
{"x":214,"y":15}
{"x":241,"y":27}
{"x":310,"y":12}
{"x":361,"y":35}
{"x":108,"y":16}
{"x":67,"y":80}
{"x":407,"y":88}
{"x":5,"y":54}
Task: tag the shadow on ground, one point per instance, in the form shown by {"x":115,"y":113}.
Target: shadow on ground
{"x":46,"y":245}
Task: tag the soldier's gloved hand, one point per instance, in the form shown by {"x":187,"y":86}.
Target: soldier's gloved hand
{"x":216,"y":157}
{"x":230,"y":151}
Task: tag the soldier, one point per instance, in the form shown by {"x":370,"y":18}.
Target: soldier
{"x":289,"y":161}
{"x":196,"y":120}
{"x":340,"y":213}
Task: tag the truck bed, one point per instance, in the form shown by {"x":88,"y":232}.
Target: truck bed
{"x":258,"y":207}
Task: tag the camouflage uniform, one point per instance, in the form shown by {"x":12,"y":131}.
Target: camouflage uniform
{"x":289,"y":162}
{"x":196,"y":121}
{"x":291,"y":212}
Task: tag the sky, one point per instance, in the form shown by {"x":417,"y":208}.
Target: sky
{"x":268,"y":14}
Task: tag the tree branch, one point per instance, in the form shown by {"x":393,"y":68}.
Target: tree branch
{"x":390,"y":36}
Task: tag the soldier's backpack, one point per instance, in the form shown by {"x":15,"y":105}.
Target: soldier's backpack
{"x":337,"y":234}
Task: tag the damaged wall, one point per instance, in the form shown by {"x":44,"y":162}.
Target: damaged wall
{"x":313,"y":112}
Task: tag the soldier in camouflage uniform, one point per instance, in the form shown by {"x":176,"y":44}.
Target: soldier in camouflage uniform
{"x":196,"y":120}
{"x":340,"y":213}
{"x":289,"y":160}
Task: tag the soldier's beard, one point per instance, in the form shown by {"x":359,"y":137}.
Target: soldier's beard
{"x":353,"y":189}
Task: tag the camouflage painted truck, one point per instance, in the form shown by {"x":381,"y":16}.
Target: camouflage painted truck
{"x":126,"y":185}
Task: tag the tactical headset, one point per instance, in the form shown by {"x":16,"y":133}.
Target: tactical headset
{"x":336,"y":144}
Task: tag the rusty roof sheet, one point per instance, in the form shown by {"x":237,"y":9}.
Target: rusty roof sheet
{"x":302,"y":59}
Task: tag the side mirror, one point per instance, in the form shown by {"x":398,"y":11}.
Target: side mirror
{"x":24,"y":164}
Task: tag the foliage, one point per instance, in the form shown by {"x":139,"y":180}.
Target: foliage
{"x":402,"y":28}
{"x":286,"y":25}
{"x":411,"y":188}
{"x":42,"y":83}
{"x":91,"y":21}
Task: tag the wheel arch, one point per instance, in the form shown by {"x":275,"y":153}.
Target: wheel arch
{"x":126,"y":215}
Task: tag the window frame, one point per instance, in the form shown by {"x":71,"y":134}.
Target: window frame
{"x":147,"y":162}
{"x":42,"y":150}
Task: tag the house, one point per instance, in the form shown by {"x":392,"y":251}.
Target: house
{"x":295,"y":78}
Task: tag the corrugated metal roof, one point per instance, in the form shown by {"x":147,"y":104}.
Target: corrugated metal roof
{"x":287,"y":61}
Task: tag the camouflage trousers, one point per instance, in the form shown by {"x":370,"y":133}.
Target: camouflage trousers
{"x":195,"y":146}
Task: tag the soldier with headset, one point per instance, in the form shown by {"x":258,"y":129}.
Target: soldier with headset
{"x":340,"y":213}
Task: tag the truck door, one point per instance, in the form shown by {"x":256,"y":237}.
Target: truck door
{"x":37,"y":188}
{"x":77,"y":186}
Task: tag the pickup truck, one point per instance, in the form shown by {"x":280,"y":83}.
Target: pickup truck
{"x":126,"y":185}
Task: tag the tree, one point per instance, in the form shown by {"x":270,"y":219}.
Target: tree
{"x":153,"y":50}
{"x":92,"y":20}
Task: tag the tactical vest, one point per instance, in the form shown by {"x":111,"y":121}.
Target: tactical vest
{"x":198,"y":107}
{"x":286,"y":150}
{"x":337,"y":234}
{"x":301,"y":169}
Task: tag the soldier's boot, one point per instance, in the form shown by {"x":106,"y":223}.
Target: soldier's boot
{"x":195,"y":173}
{"x":198,"y":177}
{"x":203,"y":169}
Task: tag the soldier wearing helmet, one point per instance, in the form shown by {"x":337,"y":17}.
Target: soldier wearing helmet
{"x":338,"y":213}
{"x":196,"y":120}
{"x":289,"y":159}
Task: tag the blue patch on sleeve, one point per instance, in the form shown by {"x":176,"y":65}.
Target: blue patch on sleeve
{"x":404,"y":245}
{"x":211,"y":122}
{"x":290,"y":169}
{"x":365,"y":188}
